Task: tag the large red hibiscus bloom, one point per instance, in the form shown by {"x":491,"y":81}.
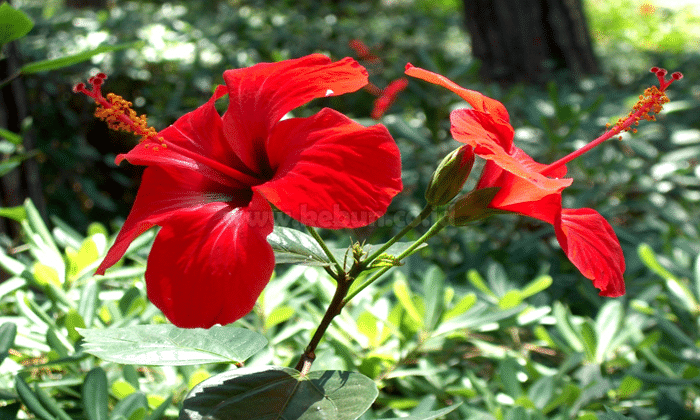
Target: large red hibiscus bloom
{"x":209,"y":179}
{"x":533,"y":189}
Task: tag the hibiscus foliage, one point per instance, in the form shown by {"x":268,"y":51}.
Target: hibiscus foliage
{"x":493,"y":317}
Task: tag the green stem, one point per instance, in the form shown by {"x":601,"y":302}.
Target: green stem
{"x":437,"y":227}
{"x":325,"y":249}
{"x":414,"y":223}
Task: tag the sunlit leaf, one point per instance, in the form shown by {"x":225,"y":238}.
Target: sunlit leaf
{"x":14,"y":24}
{"x":57,"y":63}
{"x":294,"y":247}
{"x":169,"y":345}
{"x":280,"y":393}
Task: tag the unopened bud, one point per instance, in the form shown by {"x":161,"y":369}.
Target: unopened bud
{"x":449,"y":177}
{"x":473,"y":206}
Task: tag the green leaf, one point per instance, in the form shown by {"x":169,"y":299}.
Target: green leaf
{"x":280,"y":393}
{"x":433,"y":290}
{"x":431,"y":415}
{"x":133,"y":406}
{"x":460,"y":307}
{"x":9,"y":165}
{"x":96,"y":395}
{"x":278,"y":315}
{"x":477,"y":281}
{"x":14,"y":24}
{"x":612,"y":415}
{"x":294,"y":247}
{"x":17,"y":213}
{"x":169,"y":345}
{"x":403,"y":294}
{"x":57,"y":63}
{"x":8,"y":332}
{"x":13,"y":138}
{"x":30,"y":400}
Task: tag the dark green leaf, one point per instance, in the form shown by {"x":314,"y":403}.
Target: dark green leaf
{"x":57,"y":63}
{"x":14,"y":23}
{"x":294,"y":247}
{"x":9,"y":412}
{"x":8,"y":332}
{"x":280,"y":393}
{"x":96,"y":395}
{"x":169,"y":345}
{"x":30,"y":400}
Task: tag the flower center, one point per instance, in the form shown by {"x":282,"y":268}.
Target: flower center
{"x":117,"y":113}
{"x":651,"y":101}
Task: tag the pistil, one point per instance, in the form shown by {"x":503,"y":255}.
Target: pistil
{"x":650,"y":103}
{"x":119,"y":116}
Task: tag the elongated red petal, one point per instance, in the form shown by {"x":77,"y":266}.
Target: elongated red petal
{"x":163,"y":194}
{"x":592,"y":246}
{"x":477,"y":100}
{"x":209,"y":266}
{"x":478,"y":130}
{"x":262,"y":94}
{"x":195,"y":142}
{"x":331,"y":172}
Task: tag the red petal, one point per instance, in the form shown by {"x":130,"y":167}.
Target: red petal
{"x":209,"y":266}
{"x":478,"y":101}
{"x":197,"y":143}
{"x":331,"y":172}
{"x":592,"y":246}
{"x":164,"y":193}
{"x":262,"y":94}
{"x":479,"y":131}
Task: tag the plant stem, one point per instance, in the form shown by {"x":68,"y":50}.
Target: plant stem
{"x":437,"y":227}
{"x":346,"y":278}
{"x":414,"y":223}
{"x":334,"y":308}
{"x":325,"y":249}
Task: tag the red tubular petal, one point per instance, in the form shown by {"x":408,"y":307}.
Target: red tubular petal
{"x":163,"y":194}
{"x":478,"y":101}
{"x":331,"y":172}
{"x":262,"y":94}
{"x":209,"y":267}
{"x":592,"y":246}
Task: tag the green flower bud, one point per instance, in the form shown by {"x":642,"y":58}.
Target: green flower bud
{"x":449,"y":177}
{"x":473,"y":206}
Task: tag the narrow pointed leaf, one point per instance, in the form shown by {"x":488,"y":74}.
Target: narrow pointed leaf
{"x":169,"y":345}
{"x":57,"y":63}
{"x":8,"y":332}
{"x":30,"y":400}
{"x":280,"y":393}
{"x":96,"y":395}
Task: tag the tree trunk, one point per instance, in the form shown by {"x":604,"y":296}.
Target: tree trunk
{"x":24,"y":181}
{"x":524,"y":40}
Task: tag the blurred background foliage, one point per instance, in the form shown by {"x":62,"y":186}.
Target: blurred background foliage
{"x":562,"y":358}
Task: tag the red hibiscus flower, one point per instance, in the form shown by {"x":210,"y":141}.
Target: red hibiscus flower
{"x":209,"y":179}
{"x":533,"y":189}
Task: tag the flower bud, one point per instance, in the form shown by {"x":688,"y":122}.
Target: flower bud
{"x":449,"y":177}
{"x":473,"y":206}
